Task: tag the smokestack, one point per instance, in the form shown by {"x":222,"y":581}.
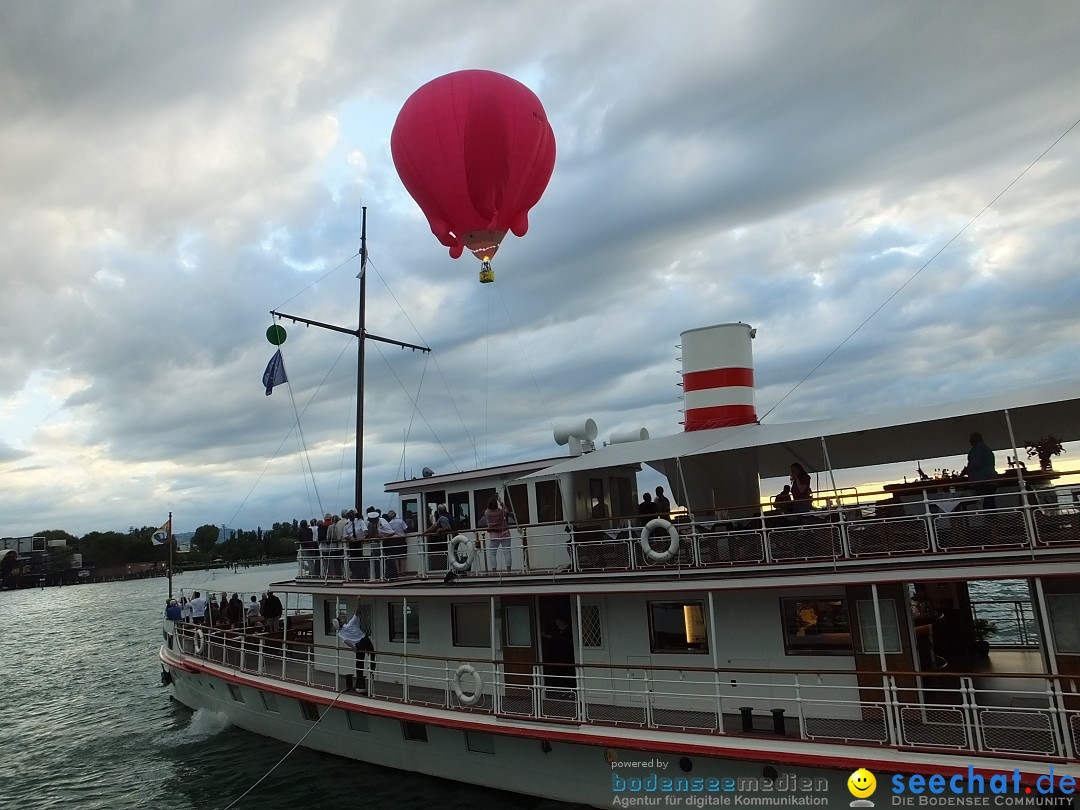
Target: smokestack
{"x":718,"y":376}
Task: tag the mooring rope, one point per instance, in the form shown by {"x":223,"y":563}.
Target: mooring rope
{"x":287,"y":753}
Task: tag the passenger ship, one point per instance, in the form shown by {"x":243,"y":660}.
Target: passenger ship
{"x":727,"y":654}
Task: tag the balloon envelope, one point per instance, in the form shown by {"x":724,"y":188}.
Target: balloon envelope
{"x":475,"y":150}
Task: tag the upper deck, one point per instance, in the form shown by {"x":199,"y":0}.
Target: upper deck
{"x":955,"y":530}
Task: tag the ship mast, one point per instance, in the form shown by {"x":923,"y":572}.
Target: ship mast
{"x":362,"y":336}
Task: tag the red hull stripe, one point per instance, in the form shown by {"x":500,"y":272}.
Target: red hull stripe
{"x":720,"y":416}
{"x":718,"y":378}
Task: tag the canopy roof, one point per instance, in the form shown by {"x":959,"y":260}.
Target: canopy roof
{"x":861,"y":440}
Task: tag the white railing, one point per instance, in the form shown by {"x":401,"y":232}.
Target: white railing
{"x":847,"y":533}
{"x":1019,"y":714}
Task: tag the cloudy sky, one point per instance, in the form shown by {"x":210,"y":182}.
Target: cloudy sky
{"x":171,"y":172}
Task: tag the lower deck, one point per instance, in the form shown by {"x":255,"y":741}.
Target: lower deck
{"x":1010,"y":709}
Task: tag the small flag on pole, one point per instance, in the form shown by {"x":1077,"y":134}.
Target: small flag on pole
{"x":275,"y":372}
{"x":161,"y":536}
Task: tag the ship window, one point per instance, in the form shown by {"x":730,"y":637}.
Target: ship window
{"x":460,"y":509}
{"x":1064,"y":610}
{"x":333,"y":608}
{"x":310,"y":710}
{"x":677,"y":627}
{"x":397,"y":623}
{"x":816,"y":627}
{"x":548,"y":503}
{"x":479,"y":742}
{"x":471,"y":624}
{"x":237,"y":695}
{"x":358,"y":722}
{"x":592,"y":634}
{"x":518,"y":622}
{"x":890,"y":630}
{"x":270,"y":701}
{"x":417,"y":732}
{"x":410,"y":513}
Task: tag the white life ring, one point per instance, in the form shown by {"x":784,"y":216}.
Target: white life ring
{"x":673,"y":547}
{"x":200,"y":641}
{"x":469,"y":550}
{"x":478,"y":688}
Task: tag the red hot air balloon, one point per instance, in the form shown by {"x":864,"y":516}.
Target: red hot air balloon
{"x":475,"y":150}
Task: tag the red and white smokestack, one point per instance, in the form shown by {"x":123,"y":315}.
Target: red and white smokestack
{"x":718,"y":376}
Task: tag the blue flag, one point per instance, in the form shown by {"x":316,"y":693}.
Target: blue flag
{"x":275,"y":372}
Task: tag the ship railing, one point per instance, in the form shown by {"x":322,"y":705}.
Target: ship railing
{"x":846,"y":530}
{"x":994,"y":712}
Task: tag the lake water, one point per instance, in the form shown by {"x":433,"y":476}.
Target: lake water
{"x":85,"y":723}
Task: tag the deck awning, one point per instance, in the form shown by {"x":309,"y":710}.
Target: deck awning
{"x":861,"y":441}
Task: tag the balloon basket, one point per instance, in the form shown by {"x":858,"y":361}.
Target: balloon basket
{"x":487,"y":275}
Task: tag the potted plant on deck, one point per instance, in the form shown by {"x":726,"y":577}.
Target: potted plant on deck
{"x":981,"y":631}
{"x":1045,"y":449}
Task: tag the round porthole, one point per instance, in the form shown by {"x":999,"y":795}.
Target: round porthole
{"x":769,"y":772}
{"x":686,"y":765}
{"x":545,"y":746}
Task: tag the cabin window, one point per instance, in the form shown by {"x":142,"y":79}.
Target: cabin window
{"x":518,"y":623}
{"x":1064,"y":610}
{"x":270,"y":701}
{"x":677,"y":627}
{"x":333,"y":609}
{"x":890,"y":628}
{"x":471,"y":624}
{"x":816,"y":627}
{"x":592,"y":632}
{"x":310,"y":710}
{"x":516,"y":499}
{"x":480,"y":501}
{"x":237,"y":695}
{"x":399,"y":624}
{"x":598,"y":509}
{"x":410,"y":513}
{"x":417,"y":732}
{"x":548,"y":503}
{"x":460,"y":509}
{"x":479,"y":742}
{"x":358,"y":722}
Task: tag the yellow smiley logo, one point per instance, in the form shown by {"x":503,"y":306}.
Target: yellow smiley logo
{"x":862,"y":783}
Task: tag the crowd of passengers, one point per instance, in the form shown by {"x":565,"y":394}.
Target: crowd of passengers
{"x":228,"y":613}
{"x":374,"y":546}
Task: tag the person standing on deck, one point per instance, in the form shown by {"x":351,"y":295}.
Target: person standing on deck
{"x":646,"y":509}
{"x":356,"y":638}
{"x":497,"y":521}
{"x":558,"y":649}
{"x":198,"y":609}
{"x":663,"y":505}
{"x":272,"y":611}
{"x":980,"y":470}
{"x":396,"y":545}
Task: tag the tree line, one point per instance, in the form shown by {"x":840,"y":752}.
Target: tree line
{"x":136,"y":545}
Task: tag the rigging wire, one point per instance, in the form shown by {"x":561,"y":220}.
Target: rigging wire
{"x":412,"y":416}
{"x":416,"y":407}
{"x":287,"y":754}
{"x":926,"y":264}
{"x":485,"y":436}
{"x":297,"y":427}
{"x":324,"y":276}
{"x":435,"y":359}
